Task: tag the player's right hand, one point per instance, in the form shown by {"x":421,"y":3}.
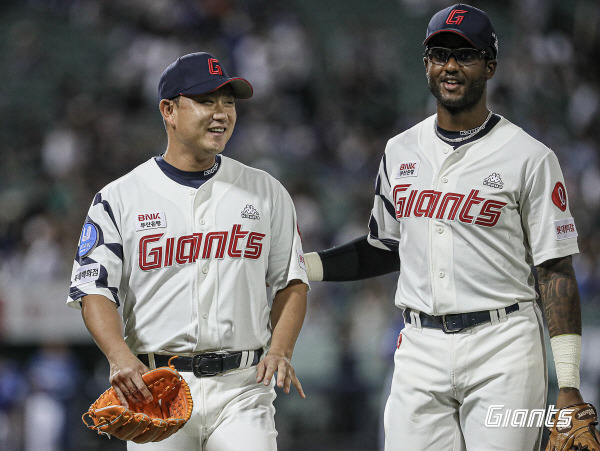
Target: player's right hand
{"x":286,"y":376}
{"x":126,"y":378}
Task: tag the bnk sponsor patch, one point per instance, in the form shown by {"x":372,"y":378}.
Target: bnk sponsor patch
{"x":408,"y":169}
{"x":155,"y":220}
{"x":565,"y":228}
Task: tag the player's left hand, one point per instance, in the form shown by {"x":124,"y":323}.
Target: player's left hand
{"x":579,"y":433}
{"x":286,"y":376}
{"x":568,"y":396}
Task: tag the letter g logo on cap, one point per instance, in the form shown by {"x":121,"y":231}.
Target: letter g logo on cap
{"x":213,"y":67}
{"x":454,"y":18}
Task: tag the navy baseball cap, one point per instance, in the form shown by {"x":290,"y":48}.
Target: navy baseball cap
{"x":199,"y":73}
{"x":467,"y":21}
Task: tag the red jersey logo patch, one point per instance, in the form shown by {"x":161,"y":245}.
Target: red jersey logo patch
{"x":559,"y":196}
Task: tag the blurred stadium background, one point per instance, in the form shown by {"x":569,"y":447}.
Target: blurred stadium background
{"x":333,"y":81}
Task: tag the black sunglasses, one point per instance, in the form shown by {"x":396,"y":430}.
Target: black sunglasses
{"x":464,"y":57}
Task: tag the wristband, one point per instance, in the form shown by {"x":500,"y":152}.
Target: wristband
{"x":566,"y":350}
{"x":314,"y":266}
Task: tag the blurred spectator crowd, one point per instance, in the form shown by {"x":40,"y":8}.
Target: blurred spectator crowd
{"x":333,"y":81}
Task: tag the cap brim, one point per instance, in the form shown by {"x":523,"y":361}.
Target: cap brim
{"x":450,"y":30}
{"x":242,"y":89}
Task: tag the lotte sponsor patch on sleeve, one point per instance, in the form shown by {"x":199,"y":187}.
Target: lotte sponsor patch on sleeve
{"x":565,"y":228}
{"x":85,"y":274}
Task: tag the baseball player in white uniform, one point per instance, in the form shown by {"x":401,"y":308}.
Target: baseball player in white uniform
{"x":467,"y":203}
{"x":203,"y":256}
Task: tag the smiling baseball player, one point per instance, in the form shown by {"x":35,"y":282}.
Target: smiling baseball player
{"x":185,"y":245}
{"x":468,"y":202}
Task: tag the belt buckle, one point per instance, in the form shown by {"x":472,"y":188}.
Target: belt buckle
{"x":207,"y":365}
{"x":448,"y":330}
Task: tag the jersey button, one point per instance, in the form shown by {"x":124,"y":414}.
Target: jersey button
{"x":446,"y":150}
{"x":440,"y":229}
{"x":192,"y":191}
{"x":205,"y":270}
{"x":202,"y":222}
{"x":205,"y":315}
{"x":445,"y":179}
{"x":442,"y":274}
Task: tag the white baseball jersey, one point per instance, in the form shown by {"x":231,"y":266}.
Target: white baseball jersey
{"x":190,"y":266}
{"x":468,"y":223}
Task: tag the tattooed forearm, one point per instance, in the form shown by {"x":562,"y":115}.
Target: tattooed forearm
{"x":560,"y":296}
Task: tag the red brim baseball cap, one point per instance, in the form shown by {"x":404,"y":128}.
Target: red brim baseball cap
{"x":199,"y":73}
{"x":467,"y":21}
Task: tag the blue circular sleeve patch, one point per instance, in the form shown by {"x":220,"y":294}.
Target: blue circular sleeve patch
{"x":89,"y":238}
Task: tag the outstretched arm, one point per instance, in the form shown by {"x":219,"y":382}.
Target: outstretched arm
{"x":560,"y":299}
{"x":354,"y":260}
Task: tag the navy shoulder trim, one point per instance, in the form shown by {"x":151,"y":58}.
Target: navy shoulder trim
{"x":98,"y":200}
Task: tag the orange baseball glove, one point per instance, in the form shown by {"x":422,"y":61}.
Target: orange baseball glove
{"x":168,"y":412}
{"x":579,"y":435}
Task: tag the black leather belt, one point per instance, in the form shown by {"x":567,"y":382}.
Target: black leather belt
{"x":204,"y":365}
{"x":451,"y":324}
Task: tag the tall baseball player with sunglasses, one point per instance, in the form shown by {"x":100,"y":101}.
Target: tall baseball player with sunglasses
{"x":465,"y":204}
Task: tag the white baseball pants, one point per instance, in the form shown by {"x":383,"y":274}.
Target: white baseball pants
{"x":231,"y":412}
{"x":444,"y":385}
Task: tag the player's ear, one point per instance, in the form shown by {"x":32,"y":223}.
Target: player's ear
{"x":490,"y":69}
{"x":167,"y":110}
